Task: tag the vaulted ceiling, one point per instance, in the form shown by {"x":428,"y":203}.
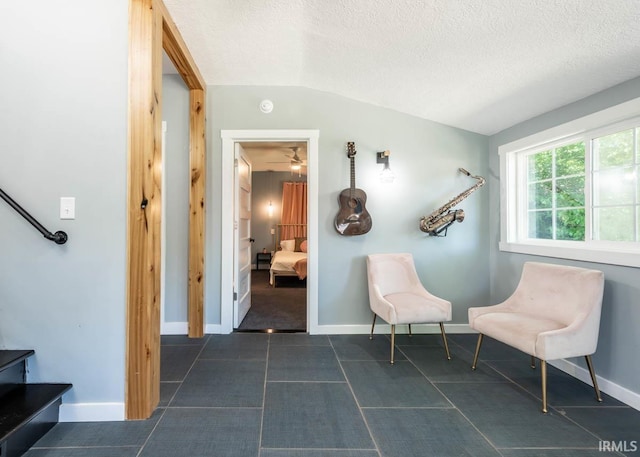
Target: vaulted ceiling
{"x":480,"y":65}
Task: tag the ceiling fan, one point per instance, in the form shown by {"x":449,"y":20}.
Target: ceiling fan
{"x":295,"y":162}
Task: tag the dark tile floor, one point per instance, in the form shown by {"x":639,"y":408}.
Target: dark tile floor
{"x":295,"y":395}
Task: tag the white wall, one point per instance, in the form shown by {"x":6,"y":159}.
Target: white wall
{"x":425,"y":157}
{"x":64,"y":134}
{"x":615,"y":359}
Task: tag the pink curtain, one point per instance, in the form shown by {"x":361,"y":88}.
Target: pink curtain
{"x":294,"y":210}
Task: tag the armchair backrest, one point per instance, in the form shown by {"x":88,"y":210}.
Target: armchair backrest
{"x":560,"y":292}
{"x":392,"y":273}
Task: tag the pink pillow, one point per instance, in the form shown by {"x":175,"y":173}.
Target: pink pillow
{"x":303,"y":246}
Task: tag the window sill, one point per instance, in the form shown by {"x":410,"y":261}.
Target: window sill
{"x":575,"y":251}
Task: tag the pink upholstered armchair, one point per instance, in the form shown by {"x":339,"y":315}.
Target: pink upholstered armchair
{"x":397,"y":296}
{"x":554,"y":313}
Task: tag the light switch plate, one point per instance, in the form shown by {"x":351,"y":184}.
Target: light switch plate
{"x":67,"y":207}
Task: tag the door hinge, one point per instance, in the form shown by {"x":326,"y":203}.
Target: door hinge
{"x":235,"y":163}
{"x":235,"y":296}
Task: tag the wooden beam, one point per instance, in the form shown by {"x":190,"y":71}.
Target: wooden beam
{"x":197,"y":153}
{"x":178,"y":52}
{"x":142,"y":392}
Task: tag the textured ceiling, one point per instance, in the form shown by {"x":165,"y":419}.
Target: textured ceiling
{"x":481,"y":65}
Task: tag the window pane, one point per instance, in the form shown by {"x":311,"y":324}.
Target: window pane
{"x":540,"y":224}
{"x":570,"y":225}
{"x":570,"y":192}
{"x":613,"y":150}
{"x":614,"y":223}
{"x":539,"y":166}
{"x":540,"y":195}
{"x":570,"y":160}
{"x":614,"y":187}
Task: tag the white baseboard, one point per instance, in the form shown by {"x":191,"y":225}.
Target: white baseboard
{"x":174,"y":328}
{"x":386,"y":328}
{"x":610,"y":388}
{"x":215,"y":329}
{"x":91,"y":412}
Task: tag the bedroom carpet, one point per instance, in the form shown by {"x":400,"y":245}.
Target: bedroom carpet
{"x":280,"y":308}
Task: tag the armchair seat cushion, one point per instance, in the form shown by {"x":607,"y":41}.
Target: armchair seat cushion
{"x":411,"y":308}
{"x":519,"y":330}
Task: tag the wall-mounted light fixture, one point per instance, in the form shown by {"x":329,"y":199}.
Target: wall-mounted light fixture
{"x":270,"y":209}
{"x":386,"y":176}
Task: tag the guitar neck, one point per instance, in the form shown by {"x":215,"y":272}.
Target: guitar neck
{"x":353,"y":173}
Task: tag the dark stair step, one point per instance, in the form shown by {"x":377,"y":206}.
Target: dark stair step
{"x":12,"y":365}
{"x":27,"y":412}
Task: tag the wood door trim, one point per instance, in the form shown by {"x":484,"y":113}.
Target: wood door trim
{"x":150,"y":29}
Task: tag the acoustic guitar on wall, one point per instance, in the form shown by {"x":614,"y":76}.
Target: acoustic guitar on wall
{"x":353,"y":217}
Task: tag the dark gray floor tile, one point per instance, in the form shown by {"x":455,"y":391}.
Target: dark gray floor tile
{"x":537,"y":452}
{"x":421,"y":339}
{"x":82,"y":434}
{"x":84,"y":452}
{"x":609,"y":424}
{"x":433,"y":363}
{"x":175,"y":361}
{"x":425,"y":432}
{"x":236,"y":346}
{"x":167,"y":391}
{"x":380,"y":384}
{"x":510,"y":417}
{"x":490,"y":350}
{"x":234,"y":383}
{"x":173,"y":340}
{"x":200,"y":432}
{"x":312,"y":415}
{"x":318,"y":453}
{"x":360,"y":347}
{"x":562,"y":389}
{"x":303,"y":363}
{"x":298,"y":339}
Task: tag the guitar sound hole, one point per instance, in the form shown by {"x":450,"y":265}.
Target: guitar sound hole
{"x":353,"y":203}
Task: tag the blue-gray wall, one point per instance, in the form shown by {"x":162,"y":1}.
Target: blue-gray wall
{"x":175,"y":111}
{"x":616,"y":357}
{"x":64,"y":134}
{"x":425,"y":157}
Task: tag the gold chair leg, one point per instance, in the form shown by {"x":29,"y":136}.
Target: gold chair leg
{"x":533,"y":362}
{"x":373,"y":325}
{"x":393,"y":340}
{"x":593,"y":377}
{"x":475,"y":357}
{"x":444,"y":340}
{"x":410,"y":334}
{"x":543,"y":374}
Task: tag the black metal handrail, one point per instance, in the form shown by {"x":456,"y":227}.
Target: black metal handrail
{"x":59,"y":237}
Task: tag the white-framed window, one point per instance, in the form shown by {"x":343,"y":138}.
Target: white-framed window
{"x":574,"y":191}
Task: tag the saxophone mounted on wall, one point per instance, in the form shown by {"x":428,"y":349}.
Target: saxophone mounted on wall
{"x":440,"y":220}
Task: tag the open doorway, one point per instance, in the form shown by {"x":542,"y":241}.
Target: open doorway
{"x":269,"y":242}
{"x":278,"y":248}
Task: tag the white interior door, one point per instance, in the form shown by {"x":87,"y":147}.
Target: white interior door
{"x":242,"y":237}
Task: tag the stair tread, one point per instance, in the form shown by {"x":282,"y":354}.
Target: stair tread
{"x":19,"y":403}
{"x":9,"y":357}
